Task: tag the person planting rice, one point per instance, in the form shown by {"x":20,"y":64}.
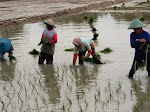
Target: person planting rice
{"x":139,"y":39}
{"x":49,"y":38}
{"x":6,"y":46}
{"x":81,"y":45}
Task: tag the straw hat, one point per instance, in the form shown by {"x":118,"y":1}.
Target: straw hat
{"x":136,"y":24}
{"x":50,"y":22}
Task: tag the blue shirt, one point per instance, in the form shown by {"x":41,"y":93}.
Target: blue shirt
{"x":134,"y":40}
{"x":134,"y":37}
{"x":9,"y":51}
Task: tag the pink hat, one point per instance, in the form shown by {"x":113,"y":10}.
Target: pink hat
{"x":77,"y":42}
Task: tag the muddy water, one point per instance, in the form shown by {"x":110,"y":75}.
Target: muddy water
{"x":27,"y":86}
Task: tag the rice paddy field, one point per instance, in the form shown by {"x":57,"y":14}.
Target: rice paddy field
{"x":26,"y":86}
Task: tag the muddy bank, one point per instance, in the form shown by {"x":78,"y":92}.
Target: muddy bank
{"x":35,"y":18}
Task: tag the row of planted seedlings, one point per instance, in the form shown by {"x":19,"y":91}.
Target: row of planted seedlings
{"x":107,"y":50}
{"x":65,"y":88}
{"x":25,"y":93}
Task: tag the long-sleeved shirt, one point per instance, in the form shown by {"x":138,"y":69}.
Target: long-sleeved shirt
{"x":51,"y":37}
{"x":134,"y":42}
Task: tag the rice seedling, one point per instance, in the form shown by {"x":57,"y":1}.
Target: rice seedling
{"x":34,"y":52}
{"x":12,"y":58}
{"x":41,"y":42}
{"x":142,"y":19}
{"x":95,"y":36}
{"x":71,"y":49}
{"x":91,"y":20}
{"x":106,"y":50}
{"x":69,"y":100}
{"x":115,"y":7}
{"x":93,"y":29}
{"x":88,"y":59}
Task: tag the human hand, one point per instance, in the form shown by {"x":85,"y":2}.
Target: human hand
{"x":143,"y":40}
{"x":47,"y":43}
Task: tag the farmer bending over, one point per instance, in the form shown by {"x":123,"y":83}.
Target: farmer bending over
{"x":6,"y":46}
{"x":81,"y":45}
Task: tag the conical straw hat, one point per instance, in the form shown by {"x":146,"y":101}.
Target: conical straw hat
{"x":136,"y":24}
{"x":50,"y":22}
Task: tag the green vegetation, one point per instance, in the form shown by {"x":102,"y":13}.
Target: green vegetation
{"x":106,"y":50}
{"x":34,"y":52}
{"x":142,"y":19}
{"x":12,"y":58}
{"x":88,"y":59}
{"x":93,"y":29}
{"x":41,"y":42}
{"x":71,"y":49}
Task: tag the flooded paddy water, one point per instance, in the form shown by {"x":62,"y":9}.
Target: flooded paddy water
{"x":27,"y":86}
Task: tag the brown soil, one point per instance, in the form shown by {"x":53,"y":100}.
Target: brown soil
{"x":22,"y":11}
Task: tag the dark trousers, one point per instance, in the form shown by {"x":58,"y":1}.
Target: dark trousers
{"x":136,"y":64}
{"x":95,"y":58}
{"x":44,"y":56}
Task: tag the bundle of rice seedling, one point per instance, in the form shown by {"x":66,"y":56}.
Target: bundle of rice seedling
{"x":34,"y":52}
{"x":12,"y":58}
{"x":106,"y":50}
{"x":41,"y":42}
{"x":71,"y":49}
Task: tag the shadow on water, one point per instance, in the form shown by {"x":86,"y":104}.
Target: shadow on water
{"x":7,"y":70}
{"x":51,"y":83}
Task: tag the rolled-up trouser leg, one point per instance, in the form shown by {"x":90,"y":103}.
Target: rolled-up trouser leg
{"x":49,"y":59}
{"x":95,"y":58}
{"x":81,"y":54}
{"x":42,"y":57}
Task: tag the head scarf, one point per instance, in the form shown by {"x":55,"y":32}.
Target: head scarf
{"x":77,"y":42}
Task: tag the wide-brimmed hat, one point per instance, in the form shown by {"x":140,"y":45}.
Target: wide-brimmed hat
{"x":5,"y":44}
{"x":50,"y":22}
{"x":136,"y":24}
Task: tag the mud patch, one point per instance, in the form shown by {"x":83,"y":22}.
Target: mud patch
{"x":64,"y":12}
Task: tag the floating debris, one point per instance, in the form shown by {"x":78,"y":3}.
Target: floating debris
{"x":71,"y":49}
{"x":34,"y":52}
{"x":106,"y":50}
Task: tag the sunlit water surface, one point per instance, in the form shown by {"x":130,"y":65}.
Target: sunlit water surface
{"x":27,"y":86}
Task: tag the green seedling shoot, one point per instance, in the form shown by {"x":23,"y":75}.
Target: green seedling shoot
{"x":34,"y":52}
{"x":41,"y":42}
